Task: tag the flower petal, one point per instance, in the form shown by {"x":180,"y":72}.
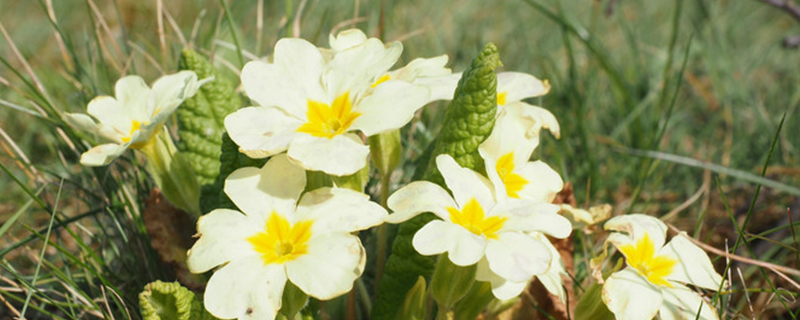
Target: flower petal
{"x":517,"y":257}
{"x":502,"y":289}
{"x":245,"y":289}
{"x":422,"y":68}
{"x":435,"y":237}
{"x":170,"y":91}
{"x":133,"y":93}
{"x":346,"y":39}
{"x":110,"y":113}
{"x":694,"y":266}
{"x":341,"y":155}
{"x":390,"y":106}
{"x":223,"y":237}
{"x":82,"y":122}
{"x":682,"y":303}
{"x":262,"y":131}
{"x":518,"y":86}
{"x":530,"y":216}
{"x":544,"y":119}
{"x":290,"y":81}
{"x":339,"y":210}
{"x":329,"y":268}
{"x":465,"y":183}
{"x":636,"y":225}
{"x":418,"y":197}
{"x":544,"y":182}
{"x":274,"y":187}
{"x":102,"y":155}
{"x":441,"y":87}
{"x":631,"y":297}
{"x":464,"y":248}
{"x":357,"y":67}
{"x":552,"y":278}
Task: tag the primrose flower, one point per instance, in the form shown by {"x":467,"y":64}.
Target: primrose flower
{"x":506,"y":153}
{"x":475,"y":226}
{"x":132,"y":118}
{"x":655,"y":277}
{"x":311,"y":102}
{"x":277,"y":238}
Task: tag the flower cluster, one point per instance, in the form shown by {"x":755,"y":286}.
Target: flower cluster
{"x":314,"y":111}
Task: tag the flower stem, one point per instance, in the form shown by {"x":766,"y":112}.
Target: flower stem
{"x":443,"y":313}
{"x":172,"y":173}
{"x":382,"y":233}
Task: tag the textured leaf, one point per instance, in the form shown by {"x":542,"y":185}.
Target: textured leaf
{"x":468,"y":121}
{"x":170,"y":301}
{"x":200,"y":121}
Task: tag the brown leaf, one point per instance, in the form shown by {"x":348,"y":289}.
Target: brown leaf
{"x":170,"y":230}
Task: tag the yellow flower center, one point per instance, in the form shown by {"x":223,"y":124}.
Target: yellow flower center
{"x":135,"y":125}
{"x":505,"y":169}
{"x":281,"y":242}
{"x":472,"y":218}
{"x":380,"y":80}
{"x":326,"y":121}
{"x":501,"y":98}
{"x":642,"y":257}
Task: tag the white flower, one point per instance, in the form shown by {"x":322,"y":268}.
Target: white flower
{"x":312,"y":101}
{"x":475,"y":226}
{"x":309,"y":242}
{"x":136,"y":114}
{"x":506,"y":153}
{"x":653,"y":281}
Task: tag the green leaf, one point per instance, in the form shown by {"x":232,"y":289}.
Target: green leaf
{"x":591,"y":306}
{"x":469,"y":118}
{"x":168,"y":301}
{"x":200,"y":121}
{"x":468,"y":121}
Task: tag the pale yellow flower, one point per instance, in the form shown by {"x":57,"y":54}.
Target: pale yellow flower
{"x":278,"y":238}
{"x":655,"y":277}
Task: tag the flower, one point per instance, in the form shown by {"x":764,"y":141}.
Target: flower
{"x":475,"y":226}
{"x":276,"y":238}
{"x":135,"y":116}
{"x":506,"y":153}
{"x":310,"y":102}
{"x":655,"y":277}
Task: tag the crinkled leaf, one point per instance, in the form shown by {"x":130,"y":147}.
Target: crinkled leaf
{"x":468,"y":121}
{"x":170,"y":301}
{"x":200,"y":121}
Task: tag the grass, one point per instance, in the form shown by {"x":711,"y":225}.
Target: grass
{"x":650,"y":95}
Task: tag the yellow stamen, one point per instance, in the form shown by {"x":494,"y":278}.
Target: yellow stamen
{"x":473,"y":218}
{"x":505,"y":169}
{"x":326,"y":121}
{"x":501,"y":98}
{"x":135,"y":125}
{"x":643,"y":258}
{"x":281,"y":242}
{"x":380,"y":80}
